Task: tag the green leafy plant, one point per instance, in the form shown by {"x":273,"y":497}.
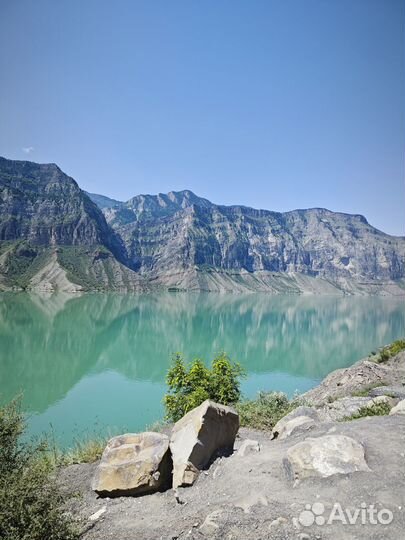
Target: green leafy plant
{"x":190,"y":385}
{"x":31,"y":505}
{"x":391,"y":350}
{"x":265,"y":411}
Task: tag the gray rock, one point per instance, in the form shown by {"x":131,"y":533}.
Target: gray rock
{"x":399,"y":408}
{"x":343,"y":408}
{"x":133,"y":464}
{"x":347,"y":381}
{"x":292,"y":426}
{"x":248,"y":446}
{"x":348,"y":406}
{"x":195,"y":438}
{"x":325,"y":456}
{"x":308,"y":416}
{"x":97,"y":515}
{"x":210,"y":523}
{"x":392,"y":391}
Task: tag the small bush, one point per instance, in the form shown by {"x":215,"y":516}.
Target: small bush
{"x":265,"y":411}
{"x":391,"y":350}
{"x":190,"y":385}
{"x":31,"y":506}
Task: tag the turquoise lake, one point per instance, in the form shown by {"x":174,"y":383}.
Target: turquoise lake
{"x":95,"y":364}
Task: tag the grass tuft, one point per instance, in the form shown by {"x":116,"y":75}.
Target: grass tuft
{"x":265,"y":411}
{"x":87,"y":451}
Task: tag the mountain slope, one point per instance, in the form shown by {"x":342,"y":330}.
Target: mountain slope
{"x":169,"y":235}
{"x":52,"y":234}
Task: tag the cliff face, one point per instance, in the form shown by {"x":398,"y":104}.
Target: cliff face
{"x":50,"y":228}
{"x":41,"y":204}
{"x":179,"y":240}
{"x":180,"y":231}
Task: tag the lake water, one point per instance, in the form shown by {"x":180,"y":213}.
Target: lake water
{"x":96,"y":364}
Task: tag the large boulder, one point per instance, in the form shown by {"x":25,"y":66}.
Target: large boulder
{"x":134,"y":464}
{"x":325,"y":456}
{"x":197,"y":436}
{"x":399,"y":408}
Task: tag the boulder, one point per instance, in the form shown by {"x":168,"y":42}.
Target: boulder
{"x":293,"y":426}
{"x":134,"y":464}
{"x":325,"y":456}
{"x":198,"y":436}
{"x":288,"y":424}
{"x":399,"y":408}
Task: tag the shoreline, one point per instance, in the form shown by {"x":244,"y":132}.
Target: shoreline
{"x":270,"y":503}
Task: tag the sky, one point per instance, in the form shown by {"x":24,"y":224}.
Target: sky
{"x":276,"y":104}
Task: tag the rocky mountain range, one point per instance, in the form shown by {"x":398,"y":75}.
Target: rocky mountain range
{"x":53,"y":235}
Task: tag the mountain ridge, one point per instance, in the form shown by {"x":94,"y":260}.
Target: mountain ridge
{"x":99,"y":200}
{"x":180,"y":241}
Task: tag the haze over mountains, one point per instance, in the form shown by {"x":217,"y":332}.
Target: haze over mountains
{"x":53,"y":236}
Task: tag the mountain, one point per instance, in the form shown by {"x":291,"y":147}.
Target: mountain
{"x":181,"y":241}
{"x":52,"y":235}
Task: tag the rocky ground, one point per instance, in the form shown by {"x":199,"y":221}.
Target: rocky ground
{"x":289,"y":487}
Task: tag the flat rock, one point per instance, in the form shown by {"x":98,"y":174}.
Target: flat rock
{"x":399,"y":408}
{"x":133,"y":464}
{"x":343,"y":408}
{"x":292,"y":426}
{"x":325,"y":456}
{"x":391,"y":391}
{"x":195,"y":438}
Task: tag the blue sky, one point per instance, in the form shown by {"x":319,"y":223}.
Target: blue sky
{"x":276,"y":104}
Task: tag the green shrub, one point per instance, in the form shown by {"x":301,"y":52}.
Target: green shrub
{"x":391,"y":350}
{"x":265,"y":411}
{"x":190,"y":385}
{"x":31,"y":506}
{"x":377,"y":409}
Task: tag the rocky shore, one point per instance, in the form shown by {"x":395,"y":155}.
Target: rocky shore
{"x":332,"y":468}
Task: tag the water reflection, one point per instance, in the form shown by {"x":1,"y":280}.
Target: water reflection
{"x":48,"y":345}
